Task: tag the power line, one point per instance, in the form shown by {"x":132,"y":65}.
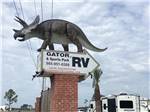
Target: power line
{"x":42,"y":9}
{"x":24,"y":19}
{"x":52,"y":10}
{"x":29,"y":45}
{"x":43,"y":79}
{"x":29,"y":49}
{"x":35,"y":7}
{"x":16,"y":8}
{"x":36,"y":12}
{"x":21,"y":9}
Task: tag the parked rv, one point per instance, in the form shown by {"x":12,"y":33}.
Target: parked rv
{"x":3,"y":108}
{"x":122,"y":103}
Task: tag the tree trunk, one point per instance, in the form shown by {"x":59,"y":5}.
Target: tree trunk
{"x":9,"y":106}
{"x":97,"y":98}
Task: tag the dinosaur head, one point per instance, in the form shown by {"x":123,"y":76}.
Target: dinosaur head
{"x":27,"y":31}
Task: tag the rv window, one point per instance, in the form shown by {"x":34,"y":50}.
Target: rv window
{"x":104,"y":106}
{"x":91,"y":105}
{"x":126,"y":104}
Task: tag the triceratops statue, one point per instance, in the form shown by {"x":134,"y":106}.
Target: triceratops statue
{"x":54,"y":31}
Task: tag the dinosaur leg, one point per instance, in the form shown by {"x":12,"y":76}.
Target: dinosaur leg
{"x":46,"y":41}
{"x":66,"y":48}
{"x":79,"y":46}
{"x":75,"y":41}
{"x":72,"y":35}
{"x":44,"y":45}
{"x":51,"y":47}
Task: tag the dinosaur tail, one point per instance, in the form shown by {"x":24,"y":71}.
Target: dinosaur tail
{"x":87,"y":44}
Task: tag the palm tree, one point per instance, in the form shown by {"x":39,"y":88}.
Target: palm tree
{"x":11,"y":97}
{"x":97,"y":96}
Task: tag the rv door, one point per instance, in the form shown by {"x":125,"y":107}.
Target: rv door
{"x":112,"y":105}
{"x":109,"y":105}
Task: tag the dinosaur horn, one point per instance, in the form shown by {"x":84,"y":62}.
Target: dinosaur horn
{"x":16,"y":30}
{"x":22,"y":22}
{"x":36,"y":21}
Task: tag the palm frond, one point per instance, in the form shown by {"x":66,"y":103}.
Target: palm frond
{"x":96,"y":76}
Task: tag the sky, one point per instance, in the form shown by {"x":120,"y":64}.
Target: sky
{"x":121,"y":26}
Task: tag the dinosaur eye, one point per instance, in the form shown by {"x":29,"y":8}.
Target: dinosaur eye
{"x":31,"y":30}
{"x":25,"y":31}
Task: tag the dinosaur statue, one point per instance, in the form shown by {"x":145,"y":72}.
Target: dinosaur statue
{"x":54,"y":31}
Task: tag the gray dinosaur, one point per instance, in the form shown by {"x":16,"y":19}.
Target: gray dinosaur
{"x":54,"y":31}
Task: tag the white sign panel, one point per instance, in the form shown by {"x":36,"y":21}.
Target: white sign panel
{"x":66,"y":62}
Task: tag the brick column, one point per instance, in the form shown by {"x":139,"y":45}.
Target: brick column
{"x":64,"y":93}
{"x":38,"y":104}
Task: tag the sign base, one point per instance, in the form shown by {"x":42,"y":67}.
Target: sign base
{"x":46,"y":73}
{"x":64,"y":93}
{"x":38,"y":104}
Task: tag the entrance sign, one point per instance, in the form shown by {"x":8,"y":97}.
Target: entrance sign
{"x":75,"y":67}
{"x":66,"y":62}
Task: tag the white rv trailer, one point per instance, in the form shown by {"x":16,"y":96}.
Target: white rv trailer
{"x":144,"y":106}
{"x":122,"y":103}
{"x":92,"y":107}
{"x":3,"y":108}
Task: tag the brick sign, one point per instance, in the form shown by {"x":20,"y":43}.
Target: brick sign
{"x":66,"y":62}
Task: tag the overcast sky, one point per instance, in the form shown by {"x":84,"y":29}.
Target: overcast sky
{"x":123,"y":27}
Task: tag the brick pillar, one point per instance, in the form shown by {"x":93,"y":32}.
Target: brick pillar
{"x":38,"y":104}
{"x":64,"y":93}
